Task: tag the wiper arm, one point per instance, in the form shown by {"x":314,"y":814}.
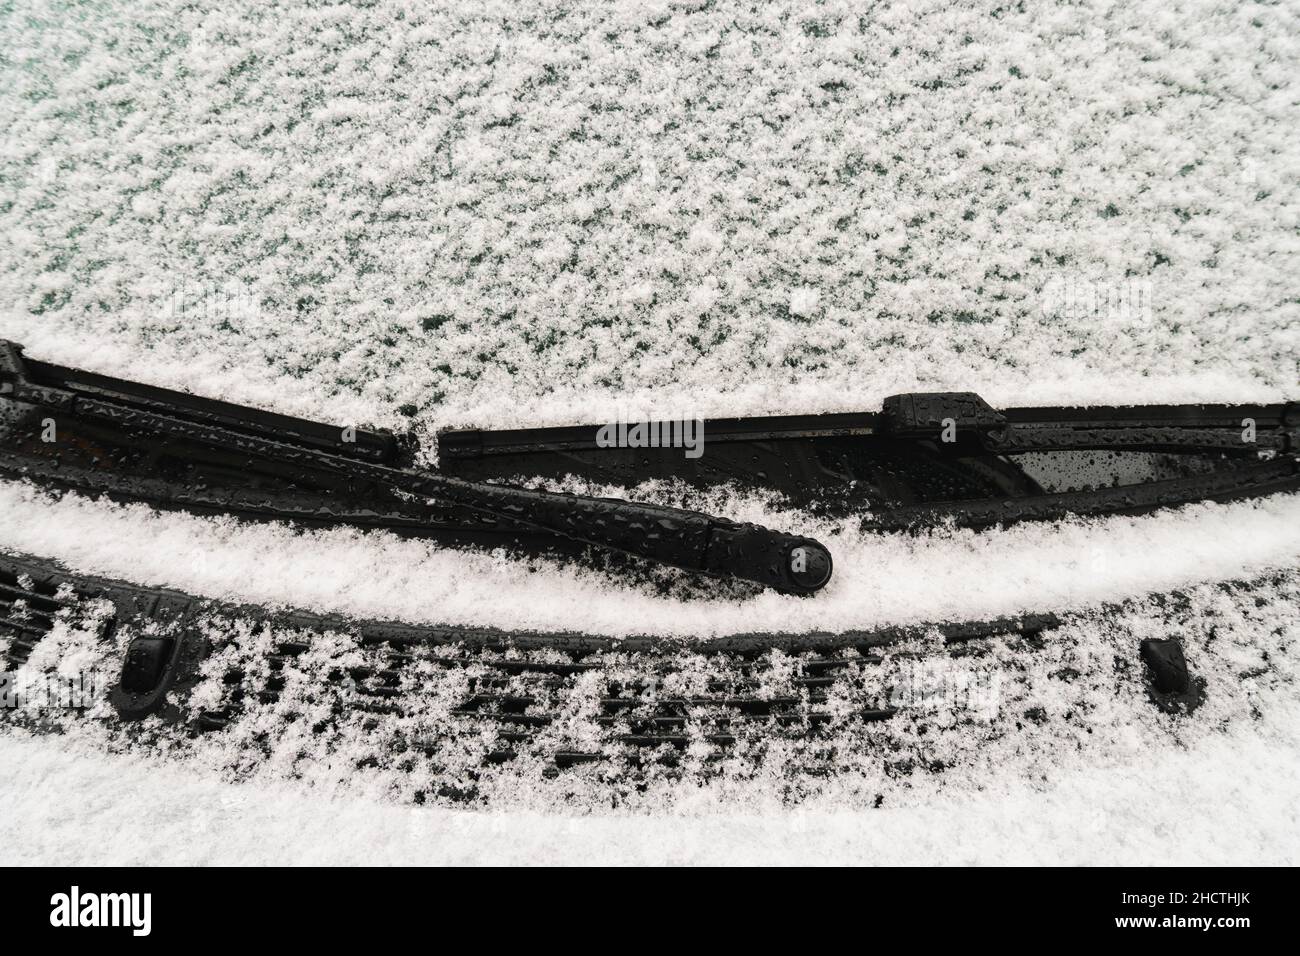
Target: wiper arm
{"x":684,"y":539}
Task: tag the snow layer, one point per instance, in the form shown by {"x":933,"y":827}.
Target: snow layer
{"x":507,"y":213}
{"x":67,"y":805}
{"x":956,"y":575}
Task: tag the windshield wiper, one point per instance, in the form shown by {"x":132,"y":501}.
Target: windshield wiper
{"x":925,"y":459}
{"x":928,"y":459}
{"x":153,"y":423}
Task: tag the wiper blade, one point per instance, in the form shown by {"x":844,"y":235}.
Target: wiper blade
{"x":685,"y":539}
{"x":935,"y":458}
{"x":1255,"y":480}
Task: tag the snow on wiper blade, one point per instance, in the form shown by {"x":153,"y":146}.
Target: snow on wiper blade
{"x":357,"y":466}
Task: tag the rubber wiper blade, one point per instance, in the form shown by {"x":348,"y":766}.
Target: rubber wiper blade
{"x":690,"y":540}
{"x":1254,"y":480}
{"x":938,"y":457}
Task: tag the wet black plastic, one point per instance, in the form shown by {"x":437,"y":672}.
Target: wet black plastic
{"x":1164,"y":659}
{"x":1171,"y":685}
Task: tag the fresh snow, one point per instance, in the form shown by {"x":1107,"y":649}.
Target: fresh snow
{"x":501,"y":214}
{"x":512,"y":213}
{"x":879,"y":579}
{"x":1231,"y":801}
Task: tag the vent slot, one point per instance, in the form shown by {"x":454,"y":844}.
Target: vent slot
{"x":26,"y":616}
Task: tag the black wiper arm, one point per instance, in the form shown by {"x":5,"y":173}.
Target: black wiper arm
{"x":685,"y":539}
